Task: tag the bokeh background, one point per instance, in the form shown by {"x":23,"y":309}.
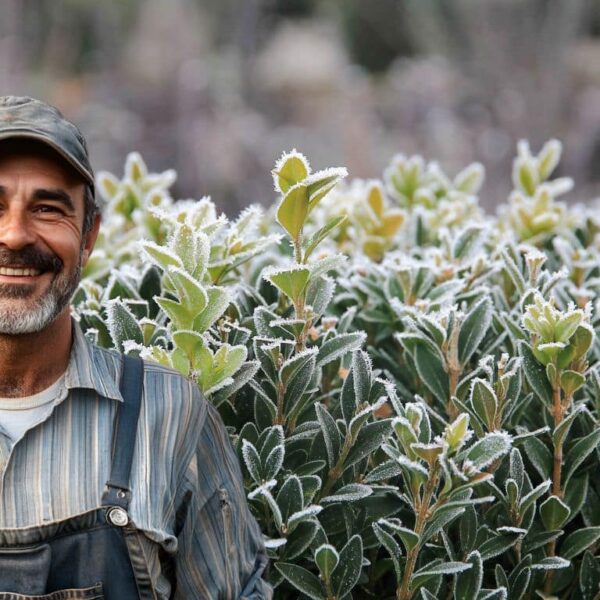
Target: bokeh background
{"x":217,"y":89}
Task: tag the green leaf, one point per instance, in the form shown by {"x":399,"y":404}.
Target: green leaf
{"x":331,"y":434}
{"x":432,"y":373}
{"x":274,"y":462}
{"x":302,"y":580}
{"x":498,"y":594}
{"x":551,"y":563}
{"x":348,"y":401}
{"x":468,"y":583}
{"x":293,"y":210}
{"x":295,"y":364}
{"x":189,"y":341}
{"x":291,"y":282}
{"x":535,"y":374}
{"x":347,"y":573}
{"x":536,"y":493}
{"x":190,"y":292}
{"x":326,"y":558}
{"x":160,"y":256}
{"x":295,"y":399}
{"x":215,"y":370}
{"x":474,"y":328}
{"x":450,"y":568}
{"x":554,"y":512}
{"x":589,"y":577}
{"x":291,"y":169}
{"x":561,"y":432}
{"x":548,"y":158}
{"x":122,"y":324}
{"x":321,"y":183}
{"x":252,"y":461}
{"x":301,"y":538}
{"x":527,"y":177}
{"x":318,"y":295}
{"x":391,"y":545}
{"x":571,"y":381}
{"x":409,"y":538}
{"x":539,"y":456}
{"x":488,"y":449}
{"x":370,"y":437}
{"x":579,"y":452}
{"x":339,"y":346}
{"x":484,"y":402}
{"x":498,"y":544}
{"x":578,"y":541}
{"x":468,"y":529}
{"x":321,"y":234}
{"x":349,"y":493}
{"x":218,"y":301}
{"x":567,"y":325}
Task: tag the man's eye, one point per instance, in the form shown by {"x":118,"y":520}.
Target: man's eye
{"x":47,"y":208}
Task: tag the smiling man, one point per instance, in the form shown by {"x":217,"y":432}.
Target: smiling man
{"x":117,"y":478}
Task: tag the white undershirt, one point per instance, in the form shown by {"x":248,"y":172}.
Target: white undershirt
{"x":18,"y":415}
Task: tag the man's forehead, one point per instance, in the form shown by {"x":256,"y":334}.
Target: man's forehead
{"x":26,"y":151}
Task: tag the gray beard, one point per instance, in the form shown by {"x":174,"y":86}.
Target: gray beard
{"x":20,"y":320}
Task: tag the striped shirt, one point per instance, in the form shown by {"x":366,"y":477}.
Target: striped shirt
{"x":188,"y":500}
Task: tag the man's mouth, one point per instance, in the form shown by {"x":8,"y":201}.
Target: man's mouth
{"x":19,"y":272}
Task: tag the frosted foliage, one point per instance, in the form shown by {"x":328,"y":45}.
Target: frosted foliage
{"x":388,"y":361}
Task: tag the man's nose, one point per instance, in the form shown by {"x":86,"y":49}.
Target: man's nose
{"x":15,"y":230}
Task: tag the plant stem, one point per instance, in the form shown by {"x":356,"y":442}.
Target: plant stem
{"x":298,"y":250}
{"x":557,"y":466}
{"x":279,"y":418}
{"x":403,"y":592}
{"x":451,"y":409}
{"x":558,"y":414}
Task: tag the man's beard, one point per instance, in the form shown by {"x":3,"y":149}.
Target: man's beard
{"x":17,"y":318}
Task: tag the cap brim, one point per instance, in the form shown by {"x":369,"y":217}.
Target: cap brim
{"x":27,"y":135}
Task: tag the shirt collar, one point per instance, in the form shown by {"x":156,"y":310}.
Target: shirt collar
{"x":91,"y":367}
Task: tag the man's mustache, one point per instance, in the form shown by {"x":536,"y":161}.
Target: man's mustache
{"x":30,"y":257}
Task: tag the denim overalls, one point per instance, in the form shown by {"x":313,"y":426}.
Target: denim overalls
{"x":95,"y":555}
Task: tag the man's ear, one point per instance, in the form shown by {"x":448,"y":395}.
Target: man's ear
{"x":90,"y":239}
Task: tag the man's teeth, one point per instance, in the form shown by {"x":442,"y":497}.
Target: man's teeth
{"x":19,"y":272}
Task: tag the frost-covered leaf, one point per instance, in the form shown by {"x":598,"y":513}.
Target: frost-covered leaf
{"x":122,"y":324}
{"x":327,"y":559}
{"x":488,"y":449}
{"x":302,"y":579}
{"x":578,"y":541}
{"x":474,"y":328}
{"x":346,"y":574}
{"x":349,"y":493}
{"x":450,"y":568}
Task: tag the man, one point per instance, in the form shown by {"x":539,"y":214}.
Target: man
{"x":117,"y":478}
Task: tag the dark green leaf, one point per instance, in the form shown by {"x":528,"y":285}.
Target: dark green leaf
{"x":303,"y":580}
{"x":473,"y":329}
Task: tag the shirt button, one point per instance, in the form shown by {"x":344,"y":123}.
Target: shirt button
{"x":117,"y":516}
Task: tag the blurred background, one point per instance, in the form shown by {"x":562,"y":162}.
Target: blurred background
{"x":217,"y":89}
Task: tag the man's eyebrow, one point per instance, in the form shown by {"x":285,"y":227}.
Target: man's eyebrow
{"x":54,"y":194}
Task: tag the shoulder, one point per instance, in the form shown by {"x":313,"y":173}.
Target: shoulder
{"x":172,"y":395}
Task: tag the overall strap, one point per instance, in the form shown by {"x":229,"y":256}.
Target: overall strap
{"x":117,"y":491}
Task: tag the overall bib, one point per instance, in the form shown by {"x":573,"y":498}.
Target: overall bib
{"x":95,"y":555}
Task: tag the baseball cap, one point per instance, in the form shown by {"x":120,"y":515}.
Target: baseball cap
{"x":28,"y":118}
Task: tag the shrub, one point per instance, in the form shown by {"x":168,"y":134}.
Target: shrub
{"x":412,"y":386}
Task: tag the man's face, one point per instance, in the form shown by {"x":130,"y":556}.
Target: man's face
{"x":42,"y":248}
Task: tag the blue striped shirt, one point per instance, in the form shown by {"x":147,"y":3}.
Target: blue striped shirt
{"x":188,"y":500}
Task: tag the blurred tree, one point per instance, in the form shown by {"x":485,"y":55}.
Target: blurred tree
{"x":376,"y":32}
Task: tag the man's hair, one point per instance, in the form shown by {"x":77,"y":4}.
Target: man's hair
{"x":90,"y":209}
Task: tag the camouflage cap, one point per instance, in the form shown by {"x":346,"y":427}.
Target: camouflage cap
{"x":28,"y":118}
